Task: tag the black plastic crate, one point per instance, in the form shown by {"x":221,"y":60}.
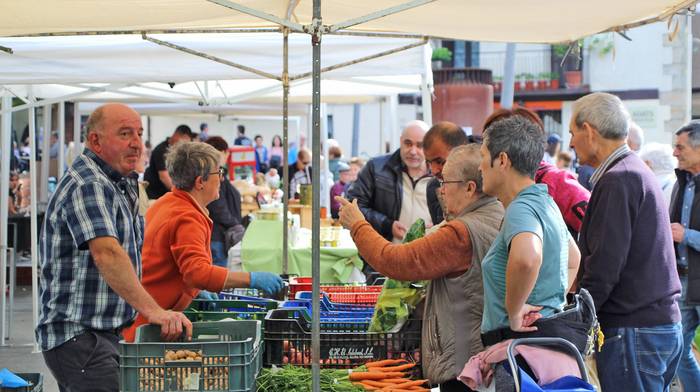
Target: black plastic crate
{"x":288,"y":340}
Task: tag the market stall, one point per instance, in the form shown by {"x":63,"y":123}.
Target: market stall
{"x":491,"y":20}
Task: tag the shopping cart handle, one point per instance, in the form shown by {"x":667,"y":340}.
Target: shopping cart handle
{"x":546,"y":342}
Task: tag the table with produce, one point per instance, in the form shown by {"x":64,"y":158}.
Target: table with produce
{"x":261,"y":250}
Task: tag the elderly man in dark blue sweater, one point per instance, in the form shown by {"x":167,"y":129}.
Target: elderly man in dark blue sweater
{"x":627,"y":257}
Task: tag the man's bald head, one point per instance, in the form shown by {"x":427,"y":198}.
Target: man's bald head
{"x":114,"y":134}
{"x":411,"y":149}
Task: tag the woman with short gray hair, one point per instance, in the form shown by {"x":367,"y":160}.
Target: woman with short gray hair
{"x":177,"y":259}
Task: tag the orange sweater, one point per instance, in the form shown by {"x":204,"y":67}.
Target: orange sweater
{"x":176,"y":254}
{"x":446,"y":252}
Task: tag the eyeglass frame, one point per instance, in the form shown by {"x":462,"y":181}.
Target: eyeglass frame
{"x":442,"y":182}
{"x":221,"y":172}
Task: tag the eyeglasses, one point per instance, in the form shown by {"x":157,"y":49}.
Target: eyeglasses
{"x":221,"y":172}
{"x":443,"y":182}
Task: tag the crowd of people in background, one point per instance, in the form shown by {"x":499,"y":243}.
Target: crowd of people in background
{"x":515,"y":224}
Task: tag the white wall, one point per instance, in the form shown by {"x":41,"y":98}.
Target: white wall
{"x":636,"y":64}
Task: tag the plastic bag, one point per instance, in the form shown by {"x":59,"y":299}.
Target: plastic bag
{"x":10,"y":380}
{"x":398,"y":298}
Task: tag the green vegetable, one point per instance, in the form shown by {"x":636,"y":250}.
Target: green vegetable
{"x":298,"y":379}
{"x":398,"y":298}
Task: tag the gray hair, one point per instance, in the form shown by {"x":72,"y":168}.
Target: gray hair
{"x":693,"y":130}
{"x":466,"y":160}
{"x":604,"y":112}
{"x":659,"y":157}
{"x":186,"y":161}
{"x":521,"y":139}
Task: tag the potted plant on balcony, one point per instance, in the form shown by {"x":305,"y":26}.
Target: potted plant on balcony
{"x":554,"y":80}
{"x":497,"y":84}
{"x":439,"y":55}
{"x":542,"y":80}
{"x":519,"y":82}
{"x":571,"y":66}
{"x":529,"y":82}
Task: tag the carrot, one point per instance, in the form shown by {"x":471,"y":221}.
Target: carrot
{"x":407,"y":384}
{"x":386,"y":362}
{"x":397,"y":380}
{"x":362,"y":376}
{"x":397,"y":368}
{"x":367,"y":387}
{"x":378,"y":384}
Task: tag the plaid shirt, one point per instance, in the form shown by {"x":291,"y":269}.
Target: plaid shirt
{"x":91,"y":200}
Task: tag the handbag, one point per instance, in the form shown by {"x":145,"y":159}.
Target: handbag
{"x":232,"y":236}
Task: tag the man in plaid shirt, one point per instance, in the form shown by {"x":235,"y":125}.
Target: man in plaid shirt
{"x":91,"y":259}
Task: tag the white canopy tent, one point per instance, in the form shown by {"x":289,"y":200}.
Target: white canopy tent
{"x":156,"y":79}
{"x":481,"y":20}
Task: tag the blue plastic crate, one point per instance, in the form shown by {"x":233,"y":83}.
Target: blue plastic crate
{"x":230,"y":357}
{"x":327,"y":304}
{"x":338,"y":314}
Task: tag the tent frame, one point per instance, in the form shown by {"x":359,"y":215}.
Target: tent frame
{"x":315,"y":29}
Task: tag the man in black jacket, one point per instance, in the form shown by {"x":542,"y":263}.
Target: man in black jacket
{"x":225,"y":212}
{"x":156,"y":174}
{"x":685,"y":228}
{"x":437,"y":144}
{"x":391,"y":189}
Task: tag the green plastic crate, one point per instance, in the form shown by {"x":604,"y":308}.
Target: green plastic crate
{"x":197,"y":315}
{"x":36,"y":379}
{"x":231,"y":357}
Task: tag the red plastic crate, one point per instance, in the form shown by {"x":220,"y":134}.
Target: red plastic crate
{"x":354,"y":298}
{"x":297,"y":284}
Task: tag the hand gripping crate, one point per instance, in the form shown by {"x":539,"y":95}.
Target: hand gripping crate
{"x":288,"y":340}
{"x":35,"y":379}
{"x":223,"y":356}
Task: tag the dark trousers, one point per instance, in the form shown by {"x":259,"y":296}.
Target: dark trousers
{"x":87,"y":362}
{"x":454,"y":386}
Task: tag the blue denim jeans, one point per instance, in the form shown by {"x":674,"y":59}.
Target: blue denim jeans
{"x":688,"y":369}
{"x":218,"y":254}
{"x":639,"y":359}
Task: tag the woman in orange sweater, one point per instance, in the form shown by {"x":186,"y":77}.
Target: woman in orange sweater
{"x":177,"y":260}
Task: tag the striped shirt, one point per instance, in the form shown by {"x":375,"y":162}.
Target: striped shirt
{"x":618,"y":153}
{"x":91,"y":200}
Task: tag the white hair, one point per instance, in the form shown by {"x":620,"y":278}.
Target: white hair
{"x":417,"y":124}
{"x":604,"y":112}
{"x":635,"y":136}
{"x":659,"y":157}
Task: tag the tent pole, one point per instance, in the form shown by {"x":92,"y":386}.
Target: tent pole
{"x":316,"y":33}
{"x":45,"y":158}
{"x":426,"y":100}
{"x":378,"y":14}
{"x":34,"y":104}
{"x":77,"y":142}
{"x":259,"y":14}
{"x":363,"y":59}
{"x":508,"y":77}
{"x":210,"y":57}
{"x":33,"y":220}
{"x":4,"y":201}
{"x":285,"y":150}
{"x":61,"y":139}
